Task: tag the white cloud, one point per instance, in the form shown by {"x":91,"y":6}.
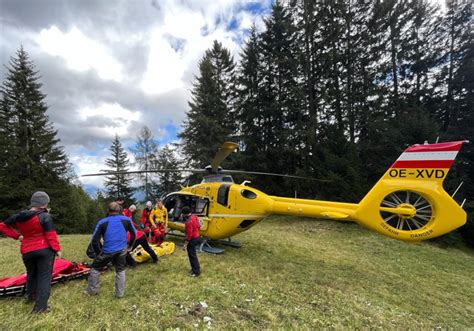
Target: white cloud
{"x":195,"y":26}
{"x":112,"y":119}
{"x":80,"y":52}
{"x":165,"y":66}
{"x":122,"y":67}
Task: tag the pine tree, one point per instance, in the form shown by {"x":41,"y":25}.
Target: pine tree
{"x":145,"y":152}
{"x":167,"y":181}
{"x":211,"y":117}
{"x":456,"y":36}
{"x":281,"y":96}
{"x":118,"y":185}
{"x":32,"y":158}
{"x":249,"y":105}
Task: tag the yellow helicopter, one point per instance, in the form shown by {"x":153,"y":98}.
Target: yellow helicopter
{"x":408,"y":203}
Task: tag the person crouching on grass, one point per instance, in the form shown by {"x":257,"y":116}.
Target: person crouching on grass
{"x":140,"y":241}
{"x":39,"y":244}
{"x":191,"y":227}
{"x":113,"y":230}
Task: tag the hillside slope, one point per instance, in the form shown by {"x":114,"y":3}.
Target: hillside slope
{"x":289,"y":273}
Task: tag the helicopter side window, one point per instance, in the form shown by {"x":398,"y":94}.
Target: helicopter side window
{"x":248,"y":194}
{"x":223,"y":194}
{"x":201,"y":205}
{"x":227,"y":179}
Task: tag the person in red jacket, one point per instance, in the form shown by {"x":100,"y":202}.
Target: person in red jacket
{"x":129,"y":211}
{"x":145,"y":219}
{"x":39,"y":245}
{"x":140,"y":240}
{"x":191,"y":228}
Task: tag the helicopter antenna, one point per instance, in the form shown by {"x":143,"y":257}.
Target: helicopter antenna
{"x":456,"y":191}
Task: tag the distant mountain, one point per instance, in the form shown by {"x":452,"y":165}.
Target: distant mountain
{"x":92,"y":190}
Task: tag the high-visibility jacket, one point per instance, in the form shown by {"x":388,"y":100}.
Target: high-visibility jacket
{"x":158,"y":215}
{"x":37,"y":229}
{"x":191,"y":227}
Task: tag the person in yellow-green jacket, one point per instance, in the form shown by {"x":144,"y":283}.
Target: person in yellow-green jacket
{"x":159,"y":222}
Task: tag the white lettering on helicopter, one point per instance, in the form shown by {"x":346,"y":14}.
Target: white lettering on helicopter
{"x":417,"y":173}
{"x":389,"y":229}
{"x":421,"y":235}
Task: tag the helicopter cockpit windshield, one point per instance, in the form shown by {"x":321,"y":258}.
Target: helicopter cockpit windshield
{"x":217,"y":178}
{"x":174,"y":203}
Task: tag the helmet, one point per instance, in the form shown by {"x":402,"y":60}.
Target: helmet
{"x":132,"y":208}
{"x":149,"y":204}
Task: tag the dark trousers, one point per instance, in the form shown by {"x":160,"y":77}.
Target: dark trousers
{"x":117,"y":259}
{"x":192,"y":254}
{"x":39,"y":267}
{"x":144,"y":243}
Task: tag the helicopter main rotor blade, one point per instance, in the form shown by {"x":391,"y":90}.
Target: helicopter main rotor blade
{"x":196,"y":171}
{"x":272,"y":174}
{"x":226,"y":149}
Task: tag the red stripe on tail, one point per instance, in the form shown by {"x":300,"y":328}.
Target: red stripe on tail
{"x":423,"y":164}
{"x":452,"y":146}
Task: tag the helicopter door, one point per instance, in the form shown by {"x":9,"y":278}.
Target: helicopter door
{"x":175,"y":203}
{"x":223,"y":194}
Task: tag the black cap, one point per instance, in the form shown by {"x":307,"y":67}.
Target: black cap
{"x":186,"y":210}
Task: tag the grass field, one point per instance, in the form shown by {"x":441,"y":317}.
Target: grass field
{"x":290,"y":273}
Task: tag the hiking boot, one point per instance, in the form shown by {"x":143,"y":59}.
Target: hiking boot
{"x":41,"y":311}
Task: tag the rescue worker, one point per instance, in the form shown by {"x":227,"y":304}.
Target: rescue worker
{"x":159,"y":222}
{"x":145,"y":219}
{"x":129,"y":211}
{"x":140,"y":241}
{"x":120,"y":202}
{"x":113,"y":230}
{"x":191,"y":227}
{"x":39,"y":244}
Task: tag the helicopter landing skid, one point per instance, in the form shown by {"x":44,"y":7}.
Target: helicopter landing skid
{"x":228,"y":242}
{"x":206,"y":247}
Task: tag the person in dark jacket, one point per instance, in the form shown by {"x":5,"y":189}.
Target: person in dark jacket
{"x":39,"y":245}
{"x":191,"y":228}
{"x":113,"y":230}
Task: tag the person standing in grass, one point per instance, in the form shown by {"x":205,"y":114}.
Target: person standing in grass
{"x":159,"y":222}
{"x":39,"y":244}
{"x":113,"y":230}
{"x":129,"y":211}
{"x":191,"y":228}
{"x":145,"y":219}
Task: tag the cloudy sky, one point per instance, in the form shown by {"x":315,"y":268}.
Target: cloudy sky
{"x":110,"y":67}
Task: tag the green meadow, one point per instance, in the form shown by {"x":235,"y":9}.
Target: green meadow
{"x":289,"y":273}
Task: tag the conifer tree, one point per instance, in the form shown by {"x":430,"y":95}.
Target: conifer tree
{"x":145,"y":152}
{"x":211,"y":117}
{"x":118,"y":185}
{"x":32,"y":158}
{"x":249,"y":105}
{"x":281,"y":94}
{"x":167,"y":181}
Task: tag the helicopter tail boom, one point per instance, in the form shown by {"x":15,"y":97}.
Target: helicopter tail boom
{"x":409,"y":202}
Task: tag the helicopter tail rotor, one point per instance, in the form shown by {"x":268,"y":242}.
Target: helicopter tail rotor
{"x":409,"y":202}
